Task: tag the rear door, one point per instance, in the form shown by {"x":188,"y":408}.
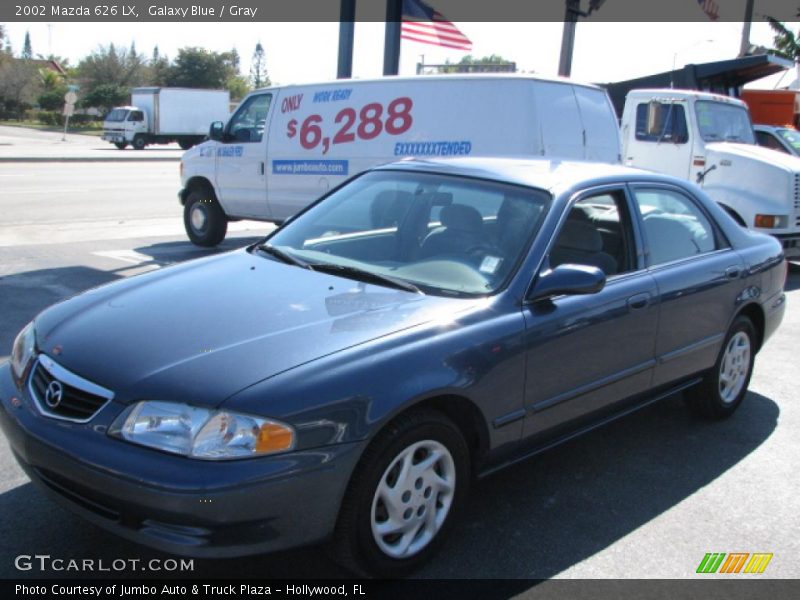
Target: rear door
{"x":698,"y":274}
{"x":241,"y":159}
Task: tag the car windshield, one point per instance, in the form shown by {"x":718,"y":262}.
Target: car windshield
{"x":792,"y":137}
{"x":442,"y":234}
{"x":117,"y":115}
{"x":722,"y":122}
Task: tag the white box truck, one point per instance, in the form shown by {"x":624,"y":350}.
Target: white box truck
{"x":708,"y":138}
{"x":159,"y":115}
{"x":285,"y":146}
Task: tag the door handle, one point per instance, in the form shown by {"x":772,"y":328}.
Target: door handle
{"x":733,"y":272}
{"x":262,"y":167}
{"x":638,"y":301}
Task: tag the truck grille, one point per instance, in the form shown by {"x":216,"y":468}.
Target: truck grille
{"x":797,"y":199}
{"x":61,"y":394}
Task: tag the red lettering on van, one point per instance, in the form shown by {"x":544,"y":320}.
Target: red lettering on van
{"x":291,"y":103}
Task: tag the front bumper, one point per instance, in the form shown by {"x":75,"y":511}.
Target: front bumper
{"x":171,"y":503}
{"x":790,"y":243}
{"x":113,"y":137}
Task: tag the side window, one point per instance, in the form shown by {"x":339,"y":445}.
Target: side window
{"x":661,"y":122}
{"x":768,"y":140}
{"x":247,"y":124}
{"x":136,"y":115}
{"x":674,"y":226}
{"x":597,"y":232}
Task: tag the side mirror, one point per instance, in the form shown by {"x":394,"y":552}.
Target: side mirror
{"x":568,"y":279}
{"x":217,"y":131}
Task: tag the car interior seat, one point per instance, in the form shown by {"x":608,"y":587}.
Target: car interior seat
{"x":580,"y":243}
{"x":460,"y":230}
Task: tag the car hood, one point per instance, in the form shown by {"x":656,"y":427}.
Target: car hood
{"x":753,"y":152}
{"x":201,"y":331}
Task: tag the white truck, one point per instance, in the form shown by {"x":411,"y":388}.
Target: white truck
{"x":159,"y":115}
{"x":286,"y":146}
{"x":708,"y":138}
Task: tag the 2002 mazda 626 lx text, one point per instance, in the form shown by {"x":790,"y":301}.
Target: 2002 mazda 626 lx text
{"x":345,"y":378}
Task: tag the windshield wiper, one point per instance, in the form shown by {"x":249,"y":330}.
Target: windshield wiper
{"x":281,"y":255}
{"x":366,"y":276}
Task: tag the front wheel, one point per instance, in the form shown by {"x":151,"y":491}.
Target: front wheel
{"x":204,"y":219}
{"x":185,"y":144}
{"x":403,"y":497}
{"x":724,"y":387}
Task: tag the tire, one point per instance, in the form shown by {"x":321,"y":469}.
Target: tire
{"x":185,"y":144}
{"x":724,"y":387}
{"x":384,"y":487}
{"x":121,"y":145}
{"x":139,"y":142}
{"x":204,"y":219}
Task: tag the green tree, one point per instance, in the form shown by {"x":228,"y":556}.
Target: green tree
{"x":157,"y":69}
{"x":19,"y":86}
{"x":27,"y":50}
{"x":106,"y":96}
{"x":258,"y":68}
{"x":109,"y":66}
{"x":53,"y":89}
{"x":485,"y":64}
{"x":200,"y":68}
{"x":785,"y":43}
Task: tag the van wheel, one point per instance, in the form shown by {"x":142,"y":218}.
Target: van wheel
{"x":403,"y":497}
{"x":185,"y":144}
{"x":724,"y":387}
{"x":121,"y":145}
{"x":204,"y":218}
{"x":139,"y":142}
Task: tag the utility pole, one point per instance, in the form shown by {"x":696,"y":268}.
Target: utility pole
{"x":391,"y":43}
{"x":347,"y":17}
{"x":748,"y":18}
{"x":568,"y":37}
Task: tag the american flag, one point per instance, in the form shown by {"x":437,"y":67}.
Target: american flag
{"x":423,"y":24}
{"x":709,"y":7}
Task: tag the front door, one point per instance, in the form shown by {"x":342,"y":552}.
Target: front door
{"x":241,"y":160}
{"x":587,"y":353}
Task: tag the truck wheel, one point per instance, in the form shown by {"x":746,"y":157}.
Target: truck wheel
{"x":139,"y":142}
{"x":185,"y":144}
{"x":204,"y":218}
{"x":121,"y":145}
{"x":403,"y":497}
{"x":724,"y":387}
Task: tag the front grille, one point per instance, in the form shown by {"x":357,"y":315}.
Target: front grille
{"x":61,"y":394}
{"x":797,"y":199}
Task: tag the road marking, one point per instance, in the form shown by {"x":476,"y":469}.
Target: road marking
{"x":132,"y":257}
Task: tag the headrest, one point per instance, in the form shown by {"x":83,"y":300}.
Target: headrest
{"x":388,"y":208}
{"x":578,"y":235}
{"x":461,"y":217}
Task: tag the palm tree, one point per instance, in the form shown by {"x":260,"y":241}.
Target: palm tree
{"x":785,"y":42}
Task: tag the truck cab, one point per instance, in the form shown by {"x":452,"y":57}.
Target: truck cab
{"x":709,"y":139}
{"x":123,"y":124}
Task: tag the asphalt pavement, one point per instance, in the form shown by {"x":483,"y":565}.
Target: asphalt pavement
{"x":645,"y":497}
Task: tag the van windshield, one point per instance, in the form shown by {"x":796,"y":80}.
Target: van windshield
{"x":722,"y":122}
{"x":117,"y":115}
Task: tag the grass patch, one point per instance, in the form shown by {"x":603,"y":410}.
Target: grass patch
{"x":95,"y":130}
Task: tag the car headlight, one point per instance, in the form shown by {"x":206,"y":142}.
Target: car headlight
{"x":22,"y":352}
{"x":200,"y":432}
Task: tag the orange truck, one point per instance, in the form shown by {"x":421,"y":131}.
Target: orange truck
{"x":773,"y":107}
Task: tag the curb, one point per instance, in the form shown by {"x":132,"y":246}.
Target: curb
{"x":38,"y":159}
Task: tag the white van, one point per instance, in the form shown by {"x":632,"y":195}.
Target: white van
{"x":286,"y":146}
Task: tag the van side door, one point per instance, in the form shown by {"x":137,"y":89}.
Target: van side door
{"x":241,"y":179}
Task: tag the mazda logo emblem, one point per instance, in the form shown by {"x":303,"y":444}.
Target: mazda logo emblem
{"x":54,"y":393}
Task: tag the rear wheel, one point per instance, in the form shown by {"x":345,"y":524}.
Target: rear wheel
{"x":185,"y":144}
{"x":139,"y":142}
{"x":724,"y":387}
{"x":121,"y":145}
{"x":204,"y":219}
{"x":404,"y":495}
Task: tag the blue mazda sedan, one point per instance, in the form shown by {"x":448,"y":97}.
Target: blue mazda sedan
{"x":346,"y":378}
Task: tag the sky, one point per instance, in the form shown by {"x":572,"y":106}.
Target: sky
{"x":307,"y":52}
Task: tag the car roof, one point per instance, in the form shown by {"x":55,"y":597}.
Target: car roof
{"x":550,"y":174}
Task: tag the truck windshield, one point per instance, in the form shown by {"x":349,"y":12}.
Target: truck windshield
{"x":721,"y":122}
{"x":117,"y":115}
{"x":792,"y":137}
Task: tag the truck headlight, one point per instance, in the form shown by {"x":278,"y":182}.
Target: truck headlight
{"x":22,"y":352}
{"x":200,"y":432}
{"x":772,"y":221}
